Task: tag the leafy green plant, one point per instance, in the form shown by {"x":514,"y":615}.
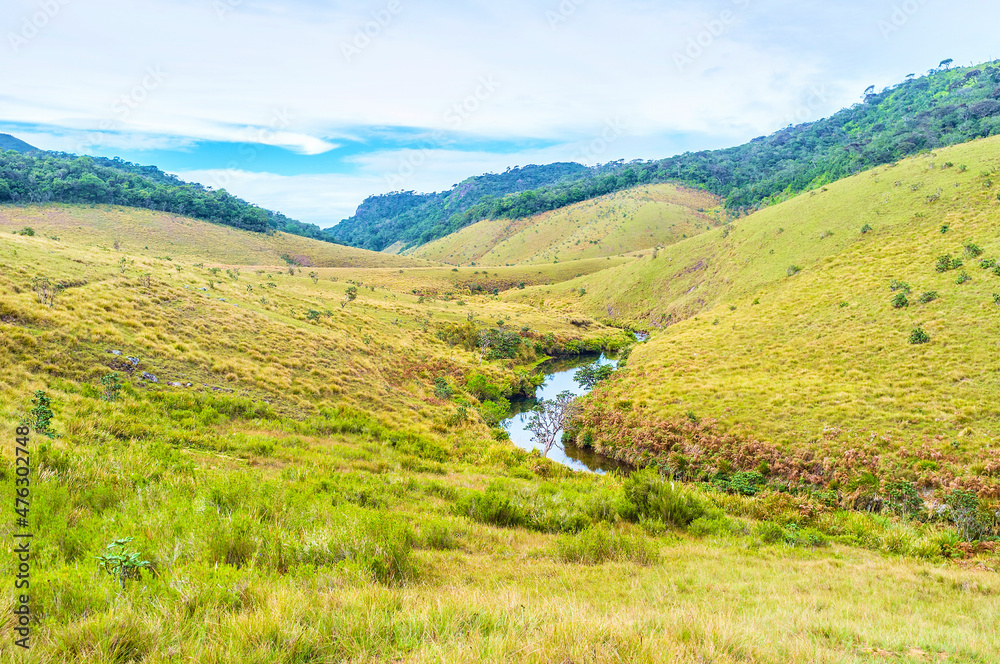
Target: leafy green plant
{"x":988,"y":263}
{"x":972,"y":250}
{"x":866,"y":229}
{"x":947,"y":262}
{"x":963,"y":278}
{"x":793,"y":270}
{"x":40,"y":416}
{"x":928,"y":297}
{"x":122,"y":564}
{"x":900,"y":301}
{"x":27,"y":230}
{"x":112,"y":384}
{"x":918,"y":336}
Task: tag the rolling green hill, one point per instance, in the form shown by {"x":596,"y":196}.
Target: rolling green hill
{"x":629,"y":221}
{"x":783,"y":331}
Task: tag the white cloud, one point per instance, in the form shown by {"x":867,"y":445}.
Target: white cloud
{"x":140,"y":74}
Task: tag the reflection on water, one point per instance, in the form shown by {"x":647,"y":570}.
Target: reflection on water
{"x":559,"y":379}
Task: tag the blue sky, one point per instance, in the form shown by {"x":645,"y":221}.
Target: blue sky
{"x":308,"y":107}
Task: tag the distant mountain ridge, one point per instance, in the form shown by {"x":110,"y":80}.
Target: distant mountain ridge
{"x":943,"y":108}
{"x":8,"y":142}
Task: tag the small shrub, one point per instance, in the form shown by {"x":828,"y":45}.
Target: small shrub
{"x":27,"y":230}
{"x":946,"y":263}
{"x":112,"y":383}
{"x":988,"y":263}
{"x":900,"y":301}
{"x":793,"y":270}
{"x":653,"y":497}
{"x":866,"y":229}
{"x":996,"y":299}
{"x":493,"y":412}
{"x":963,"y":278}
{"x":40,"y":416}
{"x":120,"y":563}
{"x":972,"y":250}
{"x":918,"y":336}
{"x":928,"y":297}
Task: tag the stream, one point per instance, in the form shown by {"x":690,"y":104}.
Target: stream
{"x":558,"y":379}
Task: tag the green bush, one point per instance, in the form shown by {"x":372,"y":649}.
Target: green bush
{"x":918,"y":336}
{"x":928,"y":297}
{"x":946,"y":263}
{"x":602,"y":543}
{"x":481,"y":388}
{"x":900,"y":301}
{"x":651,"y":496}
{"x":973,"y":251}
{"x":988,"y":263}
{"x":493,"y":412}
{"x":793,"y":270}
{"x":963,"y":278}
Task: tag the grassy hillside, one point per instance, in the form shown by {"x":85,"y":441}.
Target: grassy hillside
{"x":311,"y":478}
{"x":162,"y":234}
{"x":641,"y":218}
{"x":781,"y":330}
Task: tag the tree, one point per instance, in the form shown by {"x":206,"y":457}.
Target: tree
{"x":946,"y":63}
{"x":589,"y":376}
{"x":549,"y":418}
{"x":349,"y":296}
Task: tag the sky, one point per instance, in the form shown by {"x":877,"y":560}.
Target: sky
{"x":308,"y":107}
